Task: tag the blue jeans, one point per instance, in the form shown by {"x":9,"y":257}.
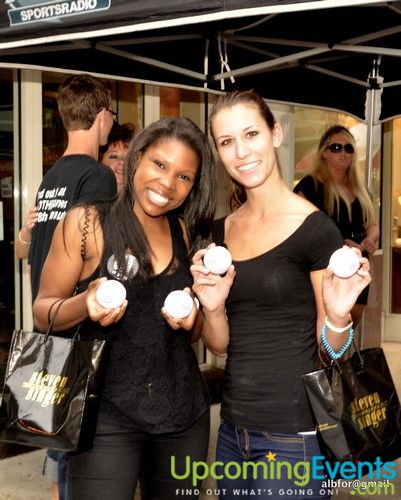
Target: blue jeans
{"x":238,"y":448}
{"x":60,"y":458}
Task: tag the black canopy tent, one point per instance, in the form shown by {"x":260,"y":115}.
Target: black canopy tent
{"x":311,"y":52}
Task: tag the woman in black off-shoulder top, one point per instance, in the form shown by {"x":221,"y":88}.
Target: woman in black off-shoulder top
{"x":267,"y":312}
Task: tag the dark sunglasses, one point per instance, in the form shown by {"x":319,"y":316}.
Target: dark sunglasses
{"x":339,"y":148}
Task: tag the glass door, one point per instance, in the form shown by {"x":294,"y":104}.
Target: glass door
{"x":395,"y":296}
{"x":392,"y":231}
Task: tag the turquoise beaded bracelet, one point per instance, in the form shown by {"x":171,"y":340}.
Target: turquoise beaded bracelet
{"x":330,"y":351}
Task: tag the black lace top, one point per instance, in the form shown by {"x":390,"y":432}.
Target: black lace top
{"x":153,"y":376}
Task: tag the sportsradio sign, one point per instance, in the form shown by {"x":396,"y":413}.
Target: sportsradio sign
{"x":31,"y":11}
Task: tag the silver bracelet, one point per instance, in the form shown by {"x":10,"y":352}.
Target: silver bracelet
{"x":335,"y":329}
{"x":27,"y":243}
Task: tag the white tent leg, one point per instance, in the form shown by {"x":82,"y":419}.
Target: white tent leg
{"x":372,"y":112}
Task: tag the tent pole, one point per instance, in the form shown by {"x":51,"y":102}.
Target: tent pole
{"x":371,"y":118}
{"x":371,"y":115}
{"x":369,"y":112}
{"x":369,"y":139}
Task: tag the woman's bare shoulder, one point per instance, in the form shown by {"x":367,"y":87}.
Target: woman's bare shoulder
{"x":80,"y":216}
{"x":81,"y":229}
{"x":302,"y":206}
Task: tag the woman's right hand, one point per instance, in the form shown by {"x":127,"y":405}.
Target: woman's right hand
{"x":211,"y":289}
{"x":96,"y":312}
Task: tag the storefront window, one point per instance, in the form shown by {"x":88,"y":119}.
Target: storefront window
{"x":7,"y":285}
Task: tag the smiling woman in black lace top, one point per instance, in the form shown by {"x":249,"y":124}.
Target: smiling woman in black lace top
{"x":154,"y":404}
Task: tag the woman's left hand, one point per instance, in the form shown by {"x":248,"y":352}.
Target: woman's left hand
{"x":340,"y":294}
{"x":186,"y":323}
{"x":101,"y":314}
{"x":368,"y":245}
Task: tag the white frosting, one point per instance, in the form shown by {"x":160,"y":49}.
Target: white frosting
{"x":217,"y":260}
{"x":344,"y":262}
{"x":178,"y":304}
{"x":111,"y":294}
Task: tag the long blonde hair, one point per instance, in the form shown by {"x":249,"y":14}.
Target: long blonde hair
{"x":333,"y":193}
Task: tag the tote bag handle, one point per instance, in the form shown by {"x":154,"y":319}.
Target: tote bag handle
{"x":51,"y":317}
{"x":335,"y":362}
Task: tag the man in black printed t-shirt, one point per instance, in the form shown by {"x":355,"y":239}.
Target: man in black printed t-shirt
{"x":84,"y":105}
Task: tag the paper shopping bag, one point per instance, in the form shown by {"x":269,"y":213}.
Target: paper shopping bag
{"x":51,"y":390}
{"x":356,"y":408}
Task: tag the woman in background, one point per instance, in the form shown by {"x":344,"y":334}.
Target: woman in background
{"x":114,"y":152}
{"x":335,"y":185}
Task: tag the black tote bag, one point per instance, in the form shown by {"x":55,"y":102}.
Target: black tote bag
{"x":356,"y":408}
{"x":50,"y":392}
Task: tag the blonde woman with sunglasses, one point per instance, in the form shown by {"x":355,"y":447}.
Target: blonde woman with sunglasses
{"x":335,"y":185}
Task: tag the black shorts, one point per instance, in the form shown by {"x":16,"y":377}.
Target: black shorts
{"x":363,"y":297}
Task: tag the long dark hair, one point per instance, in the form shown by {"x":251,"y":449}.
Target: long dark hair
{"x":122,"y":229}
{"x":237,"y":195}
